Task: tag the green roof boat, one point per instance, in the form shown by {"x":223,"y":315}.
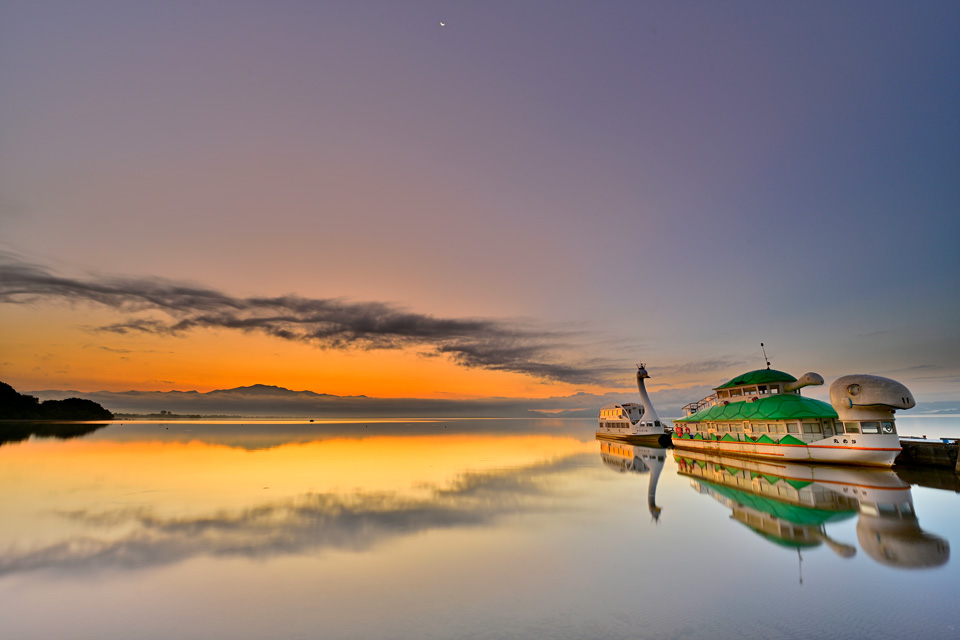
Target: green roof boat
{"x":761,"y":413}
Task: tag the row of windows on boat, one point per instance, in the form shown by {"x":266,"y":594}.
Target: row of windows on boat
{"x":762,"y":390}
{"x":624,"y":424}
{"x":826,"y":427}
{"x":614,"y":413}
{"x":813,"y":495}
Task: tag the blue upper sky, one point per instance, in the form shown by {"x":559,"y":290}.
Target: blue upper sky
{"x":672,"y":181}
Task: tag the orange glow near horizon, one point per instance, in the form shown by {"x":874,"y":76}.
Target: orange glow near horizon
{"x":58,"y":350}
{"x":197,"y":477}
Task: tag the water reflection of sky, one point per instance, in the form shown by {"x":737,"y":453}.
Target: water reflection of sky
{"x":460,"y":530}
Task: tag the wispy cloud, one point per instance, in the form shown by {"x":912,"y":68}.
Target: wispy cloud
{"x":128,"y":351}
{"x":163,"y":307}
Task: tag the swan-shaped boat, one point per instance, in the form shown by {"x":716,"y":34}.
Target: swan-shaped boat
{"x":631,"y":422}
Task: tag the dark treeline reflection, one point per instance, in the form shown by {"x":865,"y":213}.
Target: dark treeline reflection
{"x":20,"y":431}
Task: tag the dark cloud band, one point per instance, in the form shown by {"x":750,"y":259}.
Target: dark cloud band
{"x":332,"y":323}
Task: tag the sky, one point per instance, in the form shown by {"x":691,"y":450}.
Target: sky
{"x":351,"y":198}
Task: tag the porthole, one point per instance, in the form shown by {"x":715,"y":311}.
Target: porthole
{"x":853,"y":389}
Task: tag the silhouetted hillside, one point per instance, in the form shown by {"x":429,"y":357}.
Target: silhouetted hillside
{"x":18,"y":406}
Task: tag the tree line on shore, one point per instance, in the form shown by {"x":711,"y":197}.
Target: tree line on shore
{"x":19,"y":406}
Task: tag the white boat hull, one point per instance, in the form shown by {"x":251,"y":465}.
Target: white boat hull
{"x":872,"y":450}
{"x":662,"y":438}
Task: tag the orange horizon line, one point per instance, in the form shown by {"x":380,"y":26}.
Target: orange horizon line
{"x":445,"y":396}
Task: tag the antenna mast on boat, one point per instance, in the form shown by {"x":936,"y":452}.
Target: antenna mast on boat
{"x":765,"y":355}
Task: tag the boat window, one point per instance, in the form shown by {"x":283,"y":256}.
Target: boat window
{"x":887,"y":509}
{"x":851,"y":427}
{"x":778,"y":428}
{"x":774,"y":388}
{"x":906,"y":509}
{"x":811,"y":427}
{"x":887,"y":427}
{"x":762,"y":389}
{"x":870,"y":427}
{"x":792,"y":427}
{"x":762,"y":428}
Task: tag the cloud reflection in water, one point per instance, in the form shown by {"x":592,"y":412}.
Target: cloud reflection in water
{"x":308,"y":523}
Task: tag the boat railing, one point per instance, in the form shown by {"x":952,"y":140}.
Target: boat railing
{"x":694,"y":407}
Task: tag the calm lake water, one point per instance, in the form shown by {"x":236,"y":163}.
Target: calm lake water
{"x":460,"y":529}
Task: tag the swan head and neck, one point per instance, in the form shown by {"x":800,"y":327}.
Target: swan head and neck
{"x":649,"y":413}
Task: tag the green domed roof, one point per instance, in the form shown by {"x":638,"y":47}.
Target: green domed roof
{"x":760,"y":376}
{"x":785,"y":406}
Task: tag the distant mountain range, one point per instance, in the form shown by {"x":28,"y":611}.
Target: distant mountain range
{"x":260,"y":400}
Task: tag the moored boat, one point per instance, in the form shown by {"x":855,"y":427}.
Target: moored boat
{"x":632,"y":422}
{"x":762,"y":414}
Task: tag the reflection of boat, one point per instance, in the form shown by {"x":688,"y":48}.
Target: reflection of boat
{"x":623,"y":457}
{"x":791,"y":504}
{"x":890,"y":534}
{"x":762,"y":414}
{"x":637,"y":423}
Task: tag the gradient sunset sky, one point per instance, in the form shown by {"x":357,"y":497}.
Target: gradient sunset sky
{"x":350,"y":198}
